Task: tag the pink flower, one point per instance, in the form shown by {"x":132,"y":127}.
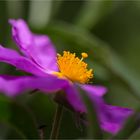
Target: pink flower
{"x":38,"y":57}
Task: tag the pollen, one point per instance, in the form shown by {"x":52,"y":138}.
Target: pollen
{"x":73,"y":68}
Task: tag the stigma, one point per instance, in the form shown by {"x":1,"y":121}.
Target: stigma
{"x":73,"y":68}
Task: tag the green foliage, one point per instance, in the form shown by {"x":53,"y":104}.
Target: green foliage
{"x":92,"y":12}
{"x":18,"y":117}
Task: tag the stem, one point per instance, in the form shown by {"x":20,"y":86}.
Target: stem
{"x":41,"y":132}
{"x":56,"y":122}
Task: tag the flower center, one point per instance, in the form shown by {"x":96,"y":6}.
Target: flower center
{"x":73,"y":68}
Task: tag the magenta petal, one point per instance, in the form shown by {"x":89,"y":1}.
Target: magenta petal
{"x":74,"y":99}
{"x":97,"y":90}
{"x":39,"y":48}
{"x":14,"y":85}
{"x":111,"y":118}
{"x":14,"y":58}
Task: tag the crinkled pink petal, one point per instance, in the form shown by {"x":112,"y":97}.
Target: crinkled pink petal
{"x":38,"y":48}
{"x":15,"y":85}
{"x":14,"y":58}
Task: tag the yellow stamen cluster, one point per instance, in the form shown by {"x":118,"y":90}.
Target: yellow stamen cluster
{"x":73,"y":68}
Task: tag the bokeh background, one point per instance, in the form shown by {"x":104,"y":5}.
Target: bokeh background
{"x":108,"y":30}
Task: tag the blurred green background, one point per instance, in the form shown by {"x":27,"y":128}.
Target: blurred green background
{"x":108,"y":30}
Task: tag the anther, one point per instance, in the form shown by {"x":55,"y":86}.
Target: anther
{"x":84,"y":55}
{"x":73,"y":68}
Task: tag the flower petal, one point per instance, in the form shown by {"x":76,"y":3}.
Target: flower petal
{"x":111,"y":118}
{"x":97,"y":90}
{"x":14,"y":58}
{"x":37,"y":47}
{"x":14,"y":85}
{"x":74,"y":99}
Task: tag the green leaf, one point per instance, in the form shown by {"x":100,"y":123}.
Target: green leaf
{"x":56,"y":5}
{"x":135,"y":135}
{"x":94,"y":130}
{"x":18,"y":117}
{"x":37,"y":17}
{"x":18,"y":9}
{"x":4,"y":24}
{"x":92,"y":12}
{"x":130,"y":126}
